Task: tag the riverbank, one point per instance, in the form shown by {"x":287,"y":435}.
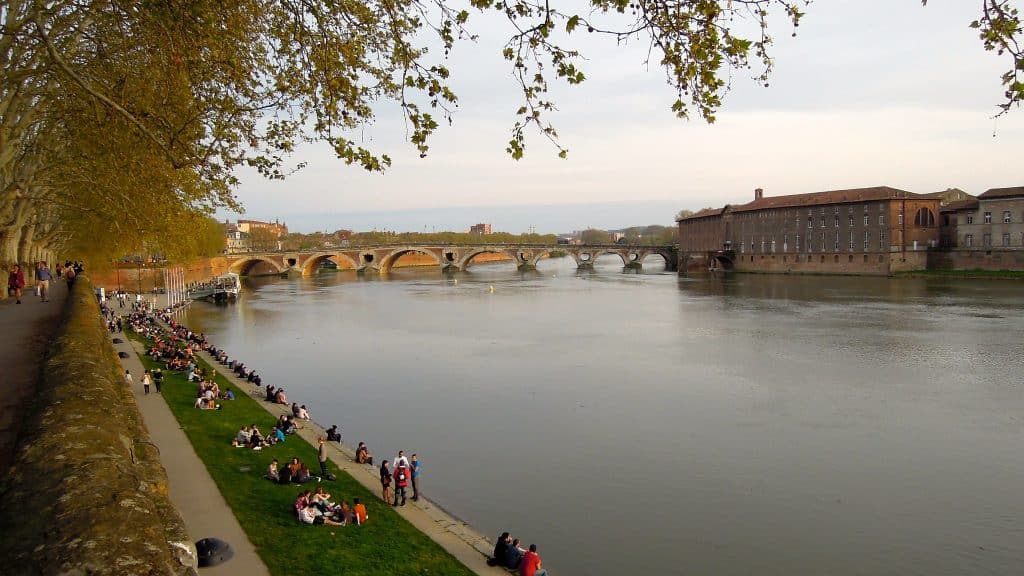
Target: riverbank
{"x":385,"y":544}
{"x":976,"y":274}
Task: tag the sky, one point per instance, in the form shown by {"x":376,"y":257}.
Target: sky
{"x":869,"y":93}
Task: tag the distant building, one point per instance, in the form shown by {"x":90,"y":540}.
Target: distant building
{"x":276,"y":227}
{"x":950,"y":195}
{"x":877,"y":230}
{"x":480,"y":229}
{"x":616,"y":236}
{"x":234,"y":239}
{"x":994,"y":219}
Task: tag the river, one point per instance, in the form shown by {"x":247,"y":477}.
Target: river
{"x":652,"y":424}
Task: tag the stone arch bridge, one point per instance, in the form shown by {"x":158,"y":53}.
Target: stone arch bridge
{"x":381,"y":259}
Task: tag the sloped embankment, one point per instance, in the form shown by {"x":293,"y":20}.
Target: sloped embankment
{"x":87,"y":493}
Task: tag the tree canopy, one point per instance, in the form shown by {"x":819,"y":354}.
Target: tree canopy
{"x":121,"y":123}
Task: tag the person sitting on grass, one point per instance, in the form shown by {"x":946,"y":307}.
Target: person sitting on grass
{"x":228,"y":394}
{"x":242,"y":438}
{"x":276,"y":435}
{"x":256,"y":439}
{"x":359,"y":509}
{"x":345,"y":514}
{"x":272,"y":473}
{"x":304,"y":476}
{"x":284,"y":475}
{"x":311,"y":515}
{"x":322,"y":500}
{"x":286,"y":425}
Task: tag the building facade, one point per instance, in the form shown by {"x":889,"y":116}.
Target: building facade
{"x":480,"y":229}
{"x":877,"y":230}
{"x":984,"y":233}
{"x":276,"y":227}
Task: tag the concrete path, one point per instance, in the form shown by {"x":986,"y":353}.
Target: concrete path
{"x":455,"y":536}
{"x":192,"y":489}
{"x":27,"y":330}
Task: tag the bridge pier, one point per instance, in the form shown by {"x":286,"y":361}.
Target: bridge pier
{"x":634,"y":265}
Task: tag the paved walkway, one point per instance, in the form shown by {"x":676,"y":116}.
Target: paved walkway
{"x":191,"y":488}
{"x":27,"y":329}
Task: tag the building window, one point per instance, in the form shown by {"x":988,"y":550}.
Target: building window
{"x":969,"y":240}
{"x":901,"y":219}
{"x":851,"y":220}
{"x":867,"y":240}
{"x":822,"y":221}
{"x":986,"y":240}
{"x":970,"y":218}
{"x":851,"y":240}
{"x":837,"y":221}
{"x":835,"y":245}
{"x":1006,"y":239}
{"x":810,"y":222}
{"x":881,"y":219}
{"x":988,"y":217}
{"x":743,"y":247}
{"x":881,"y":240}
{"x":867,"y":220}
{"x":836,"y":210}
{"x":785,"y":242}
{"x":1007,"y":218}
{"x":925,"y":218}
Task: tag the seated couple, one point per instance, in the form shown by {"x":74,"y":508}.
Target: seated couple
{"x":363,"y":455}
{"x":509,"y":554}
{"x":295,"y":472}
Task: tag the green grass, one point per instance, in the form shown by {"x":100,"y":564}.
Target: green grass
{"x":385,"y":545}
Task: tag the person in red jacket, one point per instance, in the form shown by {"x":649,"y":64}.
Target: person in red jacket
{"x":16,"y":281}
{"x":402,"y":476}
{"x":530,"y":565}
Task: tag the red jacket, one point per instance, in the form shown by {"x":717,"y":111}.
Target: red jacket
{"x":16,"y":279}
{"x":408,"y":474}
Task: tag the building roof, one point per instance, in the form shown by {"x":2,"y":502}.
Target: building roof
{"x":830,"y":197}
{"x":968,"y":204}
{"x":1002,"y":193}
{"x":873,"y":194}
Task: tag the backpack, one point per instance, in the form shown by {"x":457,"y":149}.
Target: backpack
{"x":400,"y":475}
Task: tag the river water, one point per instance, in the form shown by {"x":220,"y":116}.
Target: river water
{"x":651,"y":424}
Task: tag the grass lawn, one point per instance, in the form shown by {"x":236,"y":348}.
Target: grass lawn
{"x":385,"y":545}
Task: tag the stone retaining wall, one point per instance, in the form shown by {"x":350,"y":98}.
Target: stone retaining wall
{"x":87,"y":493}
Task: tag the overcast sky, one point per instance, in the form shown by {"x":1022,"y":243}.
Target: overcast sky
{"x":870,"y":92}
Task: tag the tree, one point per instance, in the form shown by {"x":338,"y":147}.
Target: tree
{"x":120,"y":119}
{"x":594,"y":236}
{"x":262,"y":239}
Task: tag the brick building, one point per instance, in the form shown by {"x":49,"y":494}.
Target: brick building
{"x":480,"y":229}
{"x":276,"y":227}
{"x":859,"y":231}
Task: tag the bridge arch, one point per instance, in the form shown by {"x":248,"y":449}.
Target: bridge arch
{"x":313,"y":262}
{"x":243,"y":265}
{"x":388,"y":261}
{"x":598,"y":253}
{"x":467,"y":258}
{"x":721,"y":262}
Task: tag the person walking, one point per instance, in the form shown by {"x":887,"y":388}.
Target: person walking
{"x":415,"y":465}
{"x":158,"y":374}
{"x":146,"y":381}
{"x":16,"y":281}
{"x":385,"y":481}
{"x":69,"y":275}
{"x":322,"y":454}
{"x":128,"y":378}
{"x":43,"y":277}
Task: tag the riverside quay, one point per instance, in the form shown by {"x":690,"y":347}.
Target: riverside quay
{"x":878,"y":230}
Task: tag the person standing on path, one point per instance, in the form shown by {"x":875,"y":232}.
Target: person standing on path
{"x":16,"y":281}
{"x":158,"y":374}
{"x":128,"y":378}
{"x":43,"y":277}
{"x":385,"y":481}
{"x":400,"y":460}
{"x":415,"y":465}
{"x":401,"y":481}
{"x":322,"y":454}
{"x":146,"y":381}
{"x":69,"y":275}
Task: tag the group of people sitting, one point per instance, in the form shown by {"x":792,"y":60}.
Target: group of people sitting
{"x":295,"y":472}
{"x":509,"y":554}
{"x":207,"y":394}
{"x":316,"y":507}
